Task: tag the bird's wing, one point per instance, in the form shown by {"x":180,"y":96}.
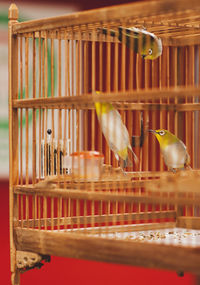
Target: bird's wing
{"x":187,"y":158}
{"x":115,"y":132}
{"x":182,"y":144}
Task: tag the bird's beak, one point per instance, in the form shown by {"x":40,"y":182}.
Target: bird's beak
{"x":151,"y":131}
{"x":143,"y":56}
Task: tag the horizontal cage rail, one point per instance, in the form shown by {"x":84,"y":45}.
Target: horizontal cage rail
{"x":180,"y":27}
{"x":84,"y":101}
{"x":96,"y":219}
{"x":133,"y":10}
{"x":128,"y":197}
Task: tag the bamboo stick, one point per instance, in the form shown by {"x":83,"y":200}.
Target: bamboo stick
{"x":34,"y":115}
{"x":52,"y":111}
{"x":27,"y":111}
{"x":21,"y":112}
{"x":59,"y":200}
{"x":93,"y":75}
{"x":85,"y":64}
{"x":40,"y":112}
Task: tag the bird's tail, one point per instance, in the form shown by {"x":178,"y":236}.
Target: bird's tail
{"x":130,"y":157}
{"x":134,"y":155}
{"x":126,"y":157}
{"x":105,"y":31}
{"x":187,"y":167}
{"x":122,"y":31}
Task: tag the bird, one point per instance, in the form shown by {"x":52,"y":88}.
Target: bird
{"x":173,"y":150}
{"x":115,"y":132}
{"x":147,"y":44}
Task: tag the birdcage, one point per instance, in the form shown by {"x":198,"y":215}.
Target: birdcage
{"x":71,"y":193}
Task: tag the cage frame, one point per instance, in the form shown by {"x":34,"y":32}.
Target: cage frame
{"x":79,"y":246}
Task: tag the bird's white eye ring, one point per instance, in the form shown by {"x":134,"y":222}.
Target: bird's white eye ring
{"x":162,"y":133}
{"x":150,"y":51}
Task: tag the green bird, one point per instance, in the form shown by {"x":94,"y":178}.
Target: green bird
{"x":148,"y":45}
{"x":173,"y":150}
{"x":115,"y":132}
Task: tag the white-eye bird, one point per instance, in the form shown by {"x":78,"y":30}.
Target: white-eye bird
{"x":115,"y":132}
{"x":173,"y":150}
{"x":147,"y":44}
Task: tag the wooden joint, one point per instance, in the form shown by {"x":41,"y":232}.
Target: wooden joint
{"x":29,"y":260}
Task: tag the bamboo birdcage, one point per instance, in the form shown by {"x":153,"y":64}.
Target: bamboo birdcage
{"x":144,"y":216}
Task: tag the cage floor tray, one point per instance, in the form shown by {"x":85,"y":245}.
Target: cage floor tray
{"x":170,"y":236}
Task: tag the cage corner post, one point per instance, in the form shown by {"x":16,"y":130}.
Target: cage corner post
{"x":13,"y":134}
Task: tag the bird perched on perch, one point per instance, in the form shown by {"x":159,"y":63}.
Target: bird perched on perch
{"x":115,"y":132}
{"x":173,"y":149}
{"x":148,"y":45}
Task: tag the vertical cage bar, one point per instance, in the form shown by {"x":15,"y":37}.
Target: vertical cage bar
{"x":168,"y":84}
{"x":27,"y":111}
{"x":163,"y":84}
{"x":122,"y":113}
{"x":52,"y":213}
{"x":27,"y":210}
{"x":34,"y":115}
{"x":53,"y":129}
{"x":93,"y":133}
{"x":190,"y":147}
{"x":107,"y":89}
{"x":130,"y":69}
{"x":40,"y":111}
{"x":45,"y":212}
{"x":93,"y":89}
{"x":27,"y":126}
{"x":59,"y":170}
{"x":22,"y":211}
{"x":45,"y":120}
{"x":85,"y":88}
{"x":13,"y":132}
{"x":78,"y":118}
{"x":85,"y":115}
{"x":116,"y":89}
{"x":34,"y":209}
{"x":147,"y":82}
{"x":39,"y":212}
{"x":21,"y":111}
{"x":198,"y":117}
{"x":43,"y":110}
{"x":100,"y":59}
{"x":52,"y":111}
{"x":65,"y":213}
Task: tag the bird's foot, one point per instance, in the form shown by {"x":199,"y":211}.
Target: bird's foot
{"x":174,"y":170}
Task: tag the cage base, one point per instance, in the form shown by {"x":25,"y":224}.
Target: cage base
{"x":148,"y":253}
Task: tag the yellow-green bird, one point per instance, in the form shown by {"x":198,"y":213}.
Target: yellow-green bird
{"x":147,"y":44}
{"x":115,"y":132}
{"x":173,"y":150}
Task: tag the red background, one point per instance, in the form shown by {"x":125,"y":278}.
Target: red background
{"x":73,"y":271}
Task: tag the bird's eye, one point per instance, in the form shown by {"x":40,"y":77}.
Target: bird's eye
{"x":162,"y":133}
{"x":150,"y":51}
